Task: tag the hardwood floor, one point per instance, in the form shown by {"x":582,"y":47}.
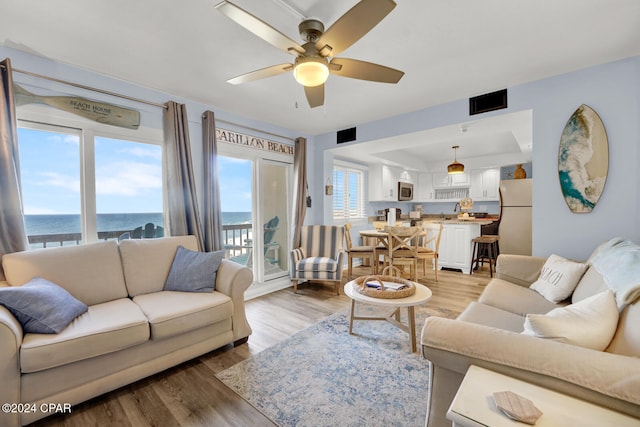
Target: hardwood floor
{"x":190,"y":395}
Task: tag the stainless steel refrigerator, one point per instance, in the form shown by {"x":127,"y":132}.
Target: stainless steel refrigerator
{"x":515,"y":216}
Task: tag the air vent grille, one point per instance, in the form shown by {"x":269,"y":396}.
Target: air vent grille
{"x":488,"y":102}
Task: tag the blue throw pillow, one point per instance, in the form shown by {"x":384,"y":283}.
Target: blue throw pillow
{"x":41,"y":307}
{"x":193,"y":271}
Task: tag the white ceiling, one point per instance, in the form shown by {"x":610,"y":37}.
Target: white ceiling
{"x":491,"y":142}
{"x":449,"y":50}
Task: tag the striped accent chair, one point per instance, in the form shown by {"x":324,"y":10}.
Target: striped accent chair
{"x":320,"y":255}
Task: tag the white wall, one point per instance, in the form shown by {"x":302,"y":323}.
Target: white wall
{"x":613,"y":90}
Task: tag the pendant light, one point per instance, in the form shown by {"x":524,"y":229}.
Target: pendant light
{"x":456,"y":166}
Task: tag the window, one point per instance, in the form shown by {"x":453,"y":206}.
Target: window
{"x":348,"y":192}
{"x":50,"y":176}
{"x":78,"y":187}
{"x":128,"y":191}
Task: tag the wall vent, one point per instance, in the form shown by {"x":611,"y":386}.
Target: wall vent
{"x":488,"y":102}
{"x":346,"y":135}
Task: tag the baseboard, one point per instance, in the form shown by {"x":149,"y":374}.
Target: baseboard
{"x":258,"y":289}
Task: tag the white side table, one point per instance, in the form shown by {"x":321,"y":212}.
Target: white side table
{"x":474,"y":406}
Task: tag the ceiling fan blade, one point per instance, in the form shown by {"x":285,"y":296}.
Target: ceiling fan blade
{"x":260,"y":28}
{"x":354,"y":24}
{"x":364,"y":70}
{"x":315,"y":95}
{"x":261,"y":74}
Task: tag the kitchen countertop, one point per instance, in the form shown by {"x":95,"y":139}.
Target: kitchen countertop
{"x":470,"y":221}
{"x":448,"y":219}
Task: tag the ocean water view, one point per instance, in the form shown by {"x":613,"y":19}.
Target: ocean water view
{"x":69,"y":223}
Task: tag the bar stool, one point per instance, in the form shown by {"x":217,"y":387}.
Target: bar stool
{"x":485,"y":248}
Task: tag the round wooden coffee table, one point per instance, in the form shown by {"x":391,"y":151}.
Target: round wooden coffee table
{"x":421,"y":296}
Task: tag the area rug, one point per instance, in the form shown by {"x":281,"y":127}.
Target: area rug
{"x":322,"y":376}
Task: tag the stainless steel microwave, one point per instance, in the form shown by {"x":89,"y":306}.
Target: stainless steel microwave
{"x":405,"y":191}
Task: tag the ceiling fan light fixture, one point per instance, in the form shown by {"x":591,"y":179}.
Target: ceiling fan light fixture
{"x":455,"y":167}
{"x":311,"y":71}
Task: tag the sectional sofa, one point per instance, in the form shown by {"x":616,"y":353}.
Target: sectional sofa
{"x":502,"y":332}
{"x":133,"y":328}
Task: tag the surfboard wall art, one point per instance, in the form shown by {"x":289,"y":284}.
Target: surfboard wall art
{"x":583,"y":160}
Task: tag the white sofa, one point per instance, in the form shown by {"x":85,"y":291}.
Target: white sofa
{"x":132,"y":328}
{"x":489,"y":334}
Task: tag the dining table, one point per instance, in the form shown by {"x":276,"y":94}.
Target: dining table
{"x":382,"y":240}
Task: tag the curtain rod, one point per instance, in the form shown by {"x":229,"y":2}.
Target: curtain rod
{"x":154,"y":104}
{"x":81,"y":86}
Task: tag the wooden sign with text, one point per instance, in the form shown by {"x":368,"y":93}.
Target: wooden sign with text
{"x":237,"y":138}
{"x":100,"y":112}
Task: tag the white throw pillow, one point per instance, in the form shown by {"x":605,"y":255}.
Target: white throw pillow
{"x":590,"y":323}
{"x":558,"y":278}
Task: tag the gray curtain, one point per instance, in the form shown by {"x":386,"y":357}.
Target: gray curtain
{"x":299,"y":188}
{"x":182,"y":216}
{"x":212,"y":208}
{"x":13,"y":237}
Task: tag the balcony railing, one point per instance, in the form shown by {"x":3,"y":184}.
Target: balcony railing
{"x":75,"y":238}
{"x":237,"y":238}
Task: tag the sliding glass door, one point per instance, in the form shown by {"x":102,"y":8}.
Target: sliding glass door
{"x":255,"y":206}
{"x":273,"y":202}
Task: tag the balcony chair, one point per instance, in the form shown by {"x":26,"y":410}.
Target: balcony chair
{"x":269,"y":230}
{"x":137,"y":233}
{"x":362,"y":252}
{"x":319,"y":257}
{"x":430,"y":247}
{"x":149,"y":231}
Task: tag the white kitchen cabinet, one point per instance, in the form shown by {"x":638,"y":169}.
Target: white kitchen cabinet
{"x":425,"y":187}
{"x":440,"y":179}
{"x":456,"y":246}
{"x":484,"y":184}
{"x":492,"y":184}
{"x":444,"y":180}
{"x":383,"y":182}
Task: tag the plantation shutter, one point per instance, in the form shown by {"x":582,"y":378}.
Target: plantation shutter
{"x":348,"y":194}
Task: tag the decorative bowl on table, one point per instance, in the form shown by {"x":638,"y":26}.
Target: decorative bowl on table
{"x":385,"y":286}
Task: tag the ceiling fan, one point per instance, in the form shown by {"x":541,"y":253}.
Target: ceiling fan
{"x":315,"y":59}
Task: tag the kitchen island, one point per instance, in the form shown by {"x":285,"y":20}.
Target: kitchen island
{"x":455,"y":244}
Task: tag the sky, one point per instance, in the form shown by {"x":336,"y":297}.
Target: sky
{"x":128,"y":175}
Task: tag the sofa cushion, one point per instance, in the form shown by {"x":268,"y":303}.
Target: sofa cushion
{"x":104,"y":328}
{"x":558,"y":278}
{"x":591,"y":283}
{"x":193,"y":271}
{"x":41,"y":307}
{"x":626,"y":340}
{"x":486,"y":315}
{"x":514,"y":298}
{"x":92,"y":273}
{"x":146,"y":262}
{"x":590,"y":323}
{"x":171,"y":313}
{"x":317,"y":264}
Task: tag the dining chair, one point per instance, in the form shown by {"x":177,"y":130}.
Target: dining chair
{"x":363,"y":252}
{"x":403,"y":245}
{"x":430,"y":247}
